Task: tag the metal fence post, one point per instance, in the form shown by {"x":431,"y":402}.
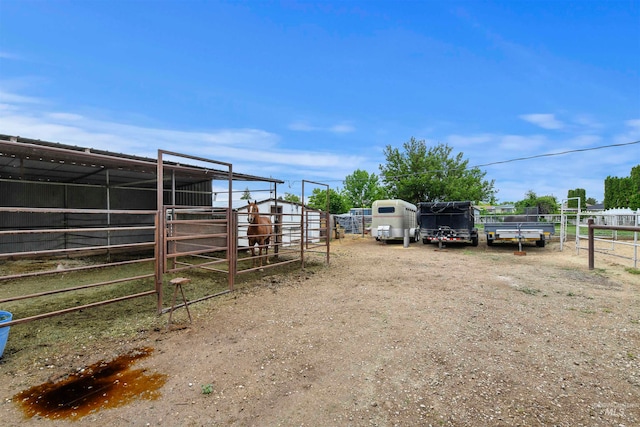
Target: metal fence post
{"x":591,"y":244}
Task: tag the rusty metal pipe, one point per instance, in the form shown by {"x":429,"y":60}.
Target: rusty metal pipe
{"x":77,"y":288}
{"x":80,"y":307}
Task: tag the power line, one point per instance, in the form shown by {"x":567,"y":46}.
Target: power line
{"x":537,"y":156}
{"x":579,"y":150}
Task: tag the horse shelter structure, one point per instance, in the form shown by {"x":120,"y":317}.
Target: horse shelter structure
{"x":72,"y":209}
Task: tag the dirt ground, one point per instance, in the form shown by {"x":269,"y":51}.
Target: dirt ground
{"x":389,"y":336}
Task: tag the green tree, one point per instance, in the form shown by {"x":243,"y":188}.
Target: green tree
{"x":421,"y":174}
{"x":362,"y":189}
{"x":591,"y":201}
{"x":634,"y":198}
{"x":544,"y":204}
{"x":288,"y":197}
{"x":623,"y":192}
{"x":578,"y":192}
{"x":246,"y":195}
{"x":338,"y":204}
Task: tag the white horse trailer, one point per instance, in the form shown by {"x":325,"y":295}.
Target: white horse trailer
{"x":390,"y":219}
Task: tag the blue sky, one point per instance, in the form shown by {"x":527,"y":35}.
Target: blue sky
{"x":315,"y":90}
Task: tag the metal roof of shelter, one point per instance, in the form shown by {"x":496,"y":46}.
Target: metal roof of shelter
{"x":23,"y":159}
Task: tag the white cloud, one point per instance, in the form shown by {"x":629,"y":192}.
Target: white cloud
{"x":633,"y":123}
{"x":586,"y":121}
{"x":303,"y":126}
{"x":545,"y":121}
{"x":7,"y":55}
{"x":631,"y":134}
{"x":8,"y":97}
{"x":253,"y":150}
{"x":247,"y":138}
{"x":522,"y":143}
{"x":342,"y":128}
{"x":581,"y":141}
{"x":456,"y":141}
{"x":306,"y":159}
{"x":65,"y":116}
{"x":260,"y":152}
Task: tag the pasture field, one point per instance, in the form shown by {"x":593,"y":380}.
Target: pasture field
{"x":384,"y":335}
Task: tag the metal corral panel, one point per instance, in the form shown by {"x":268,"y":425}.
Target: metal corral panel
{"x":289,"y":220}
{"x":59,"y":196}
{"x":197,"y":229}
{"x":30,"y":242}
{"x":354,"y":224}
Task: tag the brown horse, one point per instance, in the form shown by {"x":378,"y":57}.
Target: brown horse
{"x":259,"y":232}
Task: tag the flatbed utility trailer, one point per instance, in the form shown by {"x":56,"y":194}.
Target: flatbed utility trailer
{"x":447,"y":222}
{"x":519,"y":228}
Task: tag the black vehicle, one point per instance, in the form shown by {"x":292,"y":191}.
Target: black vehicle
{"x":447,"y":222}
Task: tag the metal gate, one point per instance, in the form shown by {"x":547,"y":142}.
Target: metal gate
{"x":322,"y":225}
{"x":192,"y":237}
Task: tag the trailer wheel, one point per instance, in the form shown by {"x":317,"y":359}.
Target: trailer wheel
{"x":540,"y":243}
{"x":489,"y":242}
{"x":474,"y":241}
{"x":425,"y":241}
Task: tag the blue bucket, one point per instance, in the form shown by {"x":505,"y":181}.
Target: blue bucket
{"x":5,"y":317}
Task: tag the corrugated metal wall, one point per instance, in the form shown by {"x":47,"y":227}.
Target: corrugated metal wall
{"x":67,"y":196}
{"x":72,"y":196}
{"x":21,"y":194}
{"x":196,"y":194}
